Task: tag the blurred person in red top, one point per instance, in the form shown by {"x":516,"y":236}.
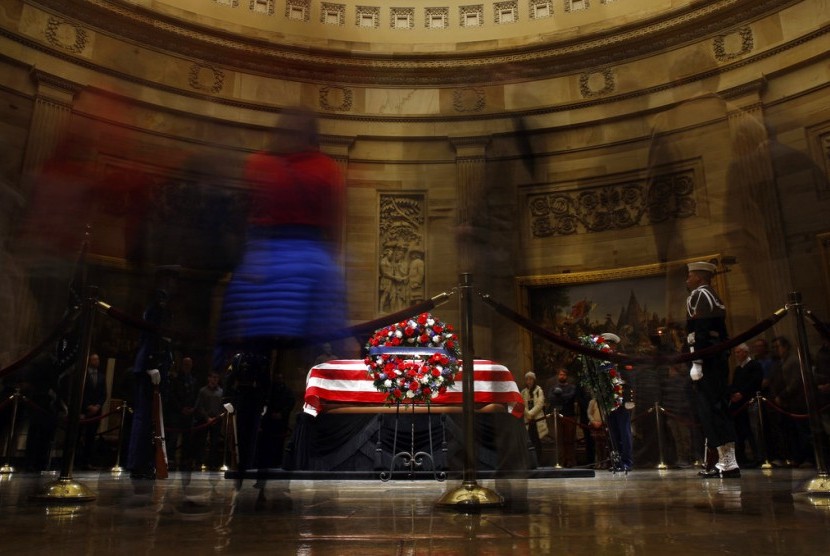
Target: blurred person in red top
{"x":288,"y":291}
{"x":288,"y":288}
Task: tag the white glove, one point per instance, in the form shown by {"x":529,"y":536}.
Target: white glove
{"x":228,"y":407}
{"x":690,"y":339}
{"x":155,"y":376}
{"x":697,"y":371}
{"x":264,"y":411}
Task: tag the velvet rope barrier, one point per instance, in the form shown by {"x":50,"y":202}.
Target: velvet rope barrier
{"x":62,"y":327}
{"x":135,"y":322}
{"x":358,"y":330}
{"x":366,"y":328}
{"x":619,"y":357}
{"x":821,"y":327}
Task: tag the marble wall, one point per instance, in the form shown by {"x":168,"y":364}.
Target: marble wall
{"x":507,"y":177}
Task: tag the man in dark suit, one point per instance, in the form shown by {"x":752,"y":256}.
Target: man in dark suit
{"x":95,"y":394}
{"x":746,"y":382}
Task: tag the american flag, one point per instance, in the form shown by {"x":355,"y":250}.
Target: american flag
{"x":346,"y":381}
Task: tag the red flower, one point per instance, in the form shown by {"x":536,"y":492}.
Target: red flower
{"x":422,"y":319}
{"x":397,"y":393}
{"x":414,"y":385}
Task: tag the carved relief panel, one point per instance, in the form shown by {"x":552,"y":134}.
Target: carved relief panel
{"x":401,"y":261}
{"x":614,"y":206}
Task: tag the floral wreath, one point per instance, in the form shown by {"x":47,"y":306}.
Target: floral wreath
{"x":602,"y":375}
{"x":414,"y":360}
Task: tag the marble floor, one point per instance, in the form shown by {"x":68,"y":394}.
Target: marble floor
{"x":644,"y":512}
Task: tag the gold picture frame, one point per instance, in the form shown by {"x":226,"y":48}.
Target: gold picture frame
{"x":642,"y":304}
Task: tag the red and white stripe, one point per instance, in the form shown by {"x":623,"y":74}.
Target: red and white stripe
{"x":347,"y":381}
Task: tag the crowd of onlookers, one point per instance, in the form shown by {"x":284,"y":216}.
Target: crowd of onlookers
{"x":763,"y":371}
{"x":193,"y":414}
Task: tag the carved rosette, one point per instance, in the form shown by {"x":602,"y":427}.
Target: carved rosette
{"x":66,"y":36}
{"x":719,"y":45}
{"x":468,"y":99}
{"x":597,"y":83}
{"x":336,"y":99}
{"x":206,"y":78}
{"x":612,"y":207}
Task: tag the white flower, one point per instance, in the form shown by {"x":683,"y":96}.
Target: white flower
{"x":410,"y":394}
{"x":398,"y":334}
{"x":430,"y":322}
{"x":436,"y":339}
{"x":434,"y":394}
{"x":387,"y":383}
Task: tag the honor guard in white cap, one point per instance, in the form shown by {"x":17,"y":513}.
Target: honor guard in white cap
{"x":706,"y":327}
{"x":610,"y":337}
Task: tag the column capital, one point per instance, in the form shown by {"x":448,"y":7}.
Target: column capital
{"x":471,"y":146}
{"x":55,"y":88}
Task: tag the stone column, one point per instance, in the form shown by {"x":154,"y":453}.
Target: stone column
{"x":471,"y":171}
{"x":753,"y":185}
{"x":473,"y":231}
{"x":338,"y":148}
{"x":50,"y":118}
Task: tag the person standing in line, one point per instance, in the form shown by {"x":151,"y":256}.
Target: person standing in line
{"x":94,"y":396}
{"x":746,"y":382}
{"x":597,"y":428}
{"x":325,"y":355}
{"x":150,"y":374}
{"x":535,"y":423}
{"x":791,"y":398}
{"x":705,"y":328}
{"x":208,"y":409}
{"x":179,"y":416}
{"x":562,"y":398}
{"x":619,"y":419}
{"x":275,"y":424}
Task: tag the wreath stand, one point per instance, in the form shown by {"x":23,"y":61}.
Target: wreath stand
{"x":412,"y":459}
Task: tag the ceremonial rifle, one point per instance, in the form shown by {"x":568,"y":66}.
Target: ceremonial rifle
{"x":158,"y":435}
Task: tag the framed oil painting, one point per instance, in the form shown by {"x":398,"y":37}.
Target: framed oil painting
{"x":643,"y":305}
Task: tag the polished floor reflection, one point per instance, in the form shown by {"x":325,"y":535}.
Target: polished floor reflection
{"x":644,"y":512}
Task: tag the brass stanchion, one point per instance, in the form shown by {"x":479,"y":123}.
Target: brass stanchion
{"x":7,"y":468}
{"x":470,"y":495}
{"x":762,"y":433}
{"x":821,"y":483}
{"x":555,"y":414}
{"x":657,"y":410}
{"x":116,"y":469}
{"x":65,"y":489}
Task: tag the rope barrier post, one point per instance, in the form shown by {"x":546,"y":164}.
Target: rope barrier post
{"x":555,"y":414}
{"x":7,"y":468}
{"x":470,"y":496}
{"x":116,"y":469}
{"x":65,"y":488}
{"x":657,"y":411}
{"x":762,"y":433}
{"x":227,"y":444}
{"x":821,"y":483}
